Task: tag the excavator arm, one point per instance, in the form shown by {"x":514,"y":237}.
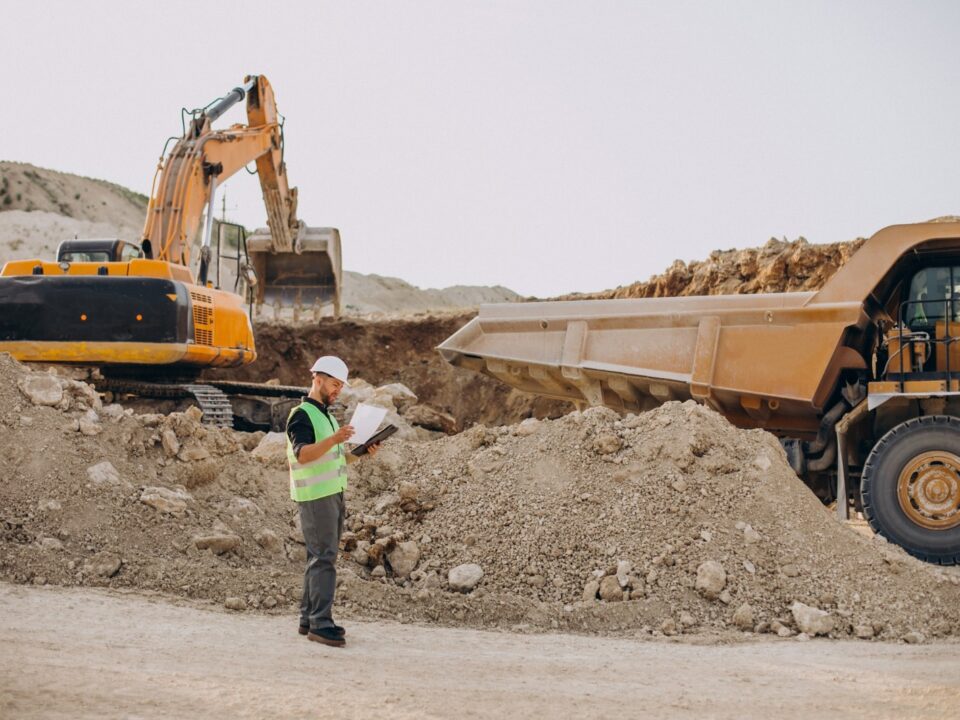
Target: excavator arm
{"x":203,"y":159}
{"x":278,"y":197}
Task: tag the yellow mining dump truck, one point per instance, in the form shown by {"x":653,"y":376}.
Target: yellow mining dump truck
{"x":860,"y":380}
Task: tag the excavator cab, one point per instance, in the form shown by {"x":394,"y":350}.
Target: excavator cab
{"x":309,"y":276}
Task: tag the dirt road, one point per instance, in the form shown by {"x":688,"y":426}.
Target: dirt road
{"x":79,"y":653}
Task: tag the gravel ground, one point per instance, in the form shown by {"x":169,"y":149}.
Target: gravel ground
{"x":77,"y":653}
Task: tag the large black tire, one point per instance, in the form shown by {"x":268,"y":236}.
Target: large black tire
{"x":915,"y":460}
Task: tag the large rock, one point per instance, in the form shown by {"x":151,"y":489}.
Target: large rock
{"x":235,"y":603}
{"x":81,"y":395}
{"x":464,"y":578}
{"x":104,"y":565}
{"x":610,"y":589}
{"x":526,"y":427}
{"x":711,"y":579}
{"x":269,"y":540}
{"x":243,"y":507}
{"x":743,"y":617}
{"x":401,"y":396}
{"x":811,"y":620}
{"x":864,"y":632}
{"x":89,"y":423}
{"x":166,"y":500}
{"x":217,"y":543}
{"x":103,"y":473}
{"x":606,"y":444}
{"x":404,"y":558}
{"x":431,"y":418}
{"x":272,"y":449}
{"x":171,"y":445}
{"x":41,"y":389}
{"x":360,"y":555}
{"x":112,"y":412}
{"x":385,"y":502}
{"x":193,"y":450}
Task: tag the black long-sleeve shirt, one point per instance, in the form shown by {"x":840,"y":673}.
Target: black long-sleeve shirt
{"x":300,"y":429}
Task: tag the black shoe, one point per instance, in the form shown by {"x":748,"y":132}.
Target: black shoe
{"x":327,"y":636}
{"x":304,"y":629}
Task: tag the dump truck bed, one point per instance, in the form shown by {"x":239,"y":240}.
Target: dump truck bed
{"x":759,"y":359}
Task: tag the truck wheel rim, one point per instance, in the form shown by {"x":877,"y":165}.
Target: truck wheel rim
{"x":929,"y":490}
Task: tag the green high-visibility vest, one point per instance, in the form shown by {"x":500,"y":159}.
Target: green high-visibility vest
{"x":327,"y":475}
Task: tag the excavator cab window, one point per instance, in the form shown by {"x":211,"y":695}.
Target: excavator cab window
{"x":128,"y":252}
{"x":97,"y":251}
{"x":75,"y":256}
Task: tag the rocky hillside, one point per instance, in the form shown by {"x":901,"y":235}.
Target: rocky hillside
{"x":40,"y":208}
{"x":778,"y":266}
{"x":28,"y":188}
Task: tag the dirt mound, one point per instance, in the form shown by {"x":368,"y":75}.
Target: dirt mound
{"x":681,"y":523}
{"x":384,"y":351}
{"x":675,"y":518}
{"x":778,"y":266}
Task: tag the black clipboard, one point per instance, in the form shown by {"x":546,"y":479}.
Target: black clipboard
{"x":377,"y":438}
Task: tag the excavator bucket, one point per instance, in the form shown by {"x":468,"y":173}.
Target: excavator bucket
{"x":308,"y":276}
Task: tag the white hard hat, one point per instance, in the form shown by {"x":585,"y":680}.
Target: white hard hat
{"x":332,"y":366}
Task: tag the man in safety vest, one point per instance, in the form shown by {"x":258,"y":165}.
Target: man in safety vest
{"x":318,"y":477}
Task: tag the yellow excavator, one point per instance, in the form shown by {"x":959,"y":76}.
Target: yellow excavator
{"x":140,"y":313}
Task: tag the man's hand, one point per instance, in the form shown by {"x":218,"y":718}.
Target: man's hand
{"x":372,"y":450}
{"x":343,"y":434}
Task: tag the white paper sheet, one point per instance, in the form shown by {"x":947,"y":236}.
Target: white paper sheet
{"x":366,"y":419}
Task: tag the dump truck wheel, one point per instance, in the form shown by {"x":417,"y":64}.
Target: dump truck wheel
{"x":911,"y":488}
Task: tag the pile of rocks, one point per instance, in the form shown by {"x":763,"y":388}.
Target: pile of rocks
{"x":670,"y":522}
{"x":673,"y":520}
{"x":778,"y":266}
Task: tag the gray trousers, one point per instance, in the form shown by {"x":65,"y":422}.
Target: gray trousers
{"x":322,"y":523}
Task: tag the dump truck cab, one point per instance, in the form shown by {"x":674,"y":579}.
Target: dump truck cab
{"x":860,"y":380}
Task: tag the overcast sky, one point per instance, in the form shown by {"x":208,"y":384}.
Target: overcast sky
{"x":546,"y":146}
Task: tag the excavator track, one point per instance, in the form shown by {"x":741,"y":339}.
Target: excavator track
{"x":214,"y":403}
{"x":213,"y":397}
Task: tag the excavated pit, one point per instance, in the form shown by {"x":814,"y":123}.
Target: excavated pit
{"x":383,"y":351}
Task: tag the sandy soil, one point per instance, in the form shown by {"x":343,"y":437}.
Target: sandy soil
{"x":84,"y":653}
